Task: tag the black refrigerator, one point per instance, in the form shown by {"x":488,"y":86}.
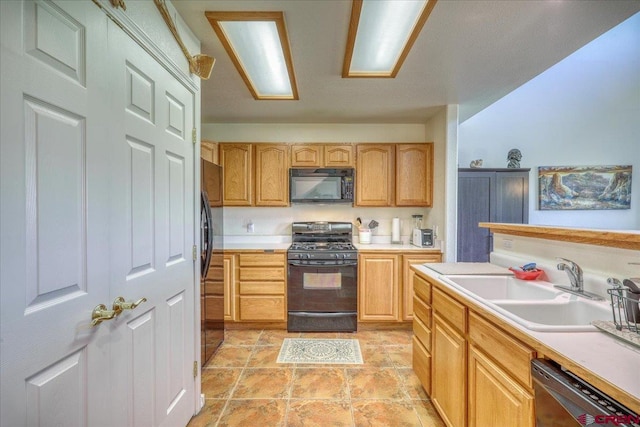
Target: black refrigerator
{"x":212,"y":260}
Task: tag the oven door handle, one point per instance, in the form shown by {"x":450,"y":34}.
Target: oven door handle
{"x":320,"y":264}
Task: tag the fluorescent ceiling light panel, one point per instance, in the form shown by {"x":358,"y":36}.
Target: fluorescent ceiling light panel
{"x":258,"y":46}
{"x":381,"y":33}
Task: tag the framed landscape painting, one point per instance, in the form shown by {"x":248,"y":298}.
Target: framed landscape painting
{"x":584,"y":187}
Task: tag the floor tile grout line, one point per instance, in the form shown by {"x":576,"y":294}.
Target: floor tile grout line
{"x":349,"y":398}
{"x":235,"y":385}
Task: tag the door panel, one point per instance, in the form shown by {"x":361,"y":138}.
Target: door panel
{"x":152,"y":224}
{"x":97,"y":202}
{"x":54,"y":226}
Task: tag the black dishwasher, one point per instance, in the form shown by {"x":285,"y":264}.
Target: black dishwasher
{"x":563,"y":399}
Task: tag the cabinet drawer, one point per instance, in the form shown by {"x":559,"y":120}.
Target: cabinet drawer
{"x":450,"y":309}
{"x":422,"y":365}
{"x":262,"y":308}
{"x":262,"y":288}
{"x":422,"y":311}
{"x":505,"y":350}
{"x":422,"y":332}
{"x":213,"y":287}
{"x":422,"y":288}
{"x":262,"y":274}
{"x":261,"y":260}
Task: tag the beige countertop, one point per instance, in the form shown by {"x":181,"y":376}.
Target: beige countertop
{"x":612,"y":361}
{"x":389,"y":247}
{"x":277,"y":243}
{"x":258,"y":246}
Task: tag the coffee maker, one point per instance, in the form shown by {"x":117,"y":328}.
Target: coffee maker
{"x":421,"y":237}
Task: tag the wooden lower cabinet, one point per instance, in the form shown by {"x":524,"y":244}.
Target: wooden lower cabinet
{"x":495,"y":399}
{"x":407,"y":279}
{"x":385,"y":284}
{"x":448,"y":373}
{"x":475,"y":373}
{"x":378,"y":293}
{"x":262,"y":308}
{"x":422,"y":364}
{"x":256,"y":286}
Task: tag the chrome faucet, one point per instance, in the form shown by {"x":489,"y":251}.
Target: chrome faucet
{"x":576,"y":278}
{"x":574,"y":272}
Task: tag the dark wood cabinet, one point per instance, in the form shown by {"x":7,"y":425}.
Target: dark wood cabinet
{"x":488,"y":195}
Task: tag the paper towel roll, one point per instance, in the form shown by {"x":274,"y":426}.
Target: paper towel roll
{"x":395,"y":230}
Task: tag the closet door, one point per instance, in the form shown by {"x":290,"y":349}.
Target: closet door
{"x":512,"y":197}
{"x":476,"y":201}
{"x":55,"y":176}
{"x":151,"y":211}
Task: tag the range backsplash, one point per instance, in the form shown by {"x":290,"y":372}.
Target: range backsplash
{"x":277,"y":221}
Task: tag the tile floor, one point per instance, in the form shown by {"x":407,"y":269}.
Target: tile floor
{"x":245,"y":386}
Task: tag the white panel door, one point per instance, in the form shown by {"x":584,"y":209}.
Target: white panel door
{"x":152,"y":232}
{"x":54,"y":223}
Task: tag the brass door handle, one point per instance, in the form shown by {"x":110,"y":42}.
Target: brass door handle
{"x":119,"y":304}
{"x":100,"y":314}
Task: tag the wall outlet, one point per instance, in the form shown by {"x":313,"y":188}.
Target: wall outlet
{"x":250,"y":228}
{"x":507,"y":243}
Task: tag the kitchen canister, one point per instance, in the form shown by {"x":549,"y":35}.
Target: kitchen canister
{"x":364,"y":236}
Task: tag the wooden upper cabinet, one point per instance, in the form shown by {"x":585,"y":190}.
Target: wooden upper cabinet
{"x":307,"y":155}
{"x":374,"y":174}
{"x":338,"y":156}
{"x":272,"y":174}
{"x":414,"y":175}
{"x":322,"y":155}
{"x":236,"y":161}
{"x":209,"y":151}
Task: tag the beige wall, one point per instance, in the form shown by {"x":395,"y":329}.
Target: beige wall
{"x":597,"y":262}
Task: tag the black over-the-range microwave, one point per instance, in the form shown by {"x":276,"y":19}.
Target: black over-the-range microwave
{"x":321,"y":185}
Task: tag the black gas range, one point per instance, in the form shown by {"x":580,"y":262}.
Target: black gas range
{"x":322,"y":277}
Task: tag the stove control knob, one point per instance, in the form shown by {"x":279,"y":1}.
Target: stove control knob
{"x":308,"y":256}
{"x":336,"y":256}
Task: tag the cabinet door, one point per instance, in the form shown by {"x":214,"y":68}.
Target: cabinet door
{"x":374,"y":174}
{"x":236,"y":161}
{"x":414,"y":174}
{"x":209,"y":151}
{"x":449,"y":373}
{"x":407,"y":280}
{"x":338,"y":156}
{"x":512,"y":197}
{"x":378,"y":290}
{"x":272,"y":174}
{"x":306,"y":155}
{"x":475,"y":200}
{"x":495,"y":399}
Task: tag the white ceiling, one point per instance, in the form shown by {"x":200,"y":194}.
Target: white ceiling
{"x":470,"y":52}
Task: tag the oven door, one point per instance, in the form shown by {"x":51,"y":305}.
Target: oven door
{"x":322,"y":286}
